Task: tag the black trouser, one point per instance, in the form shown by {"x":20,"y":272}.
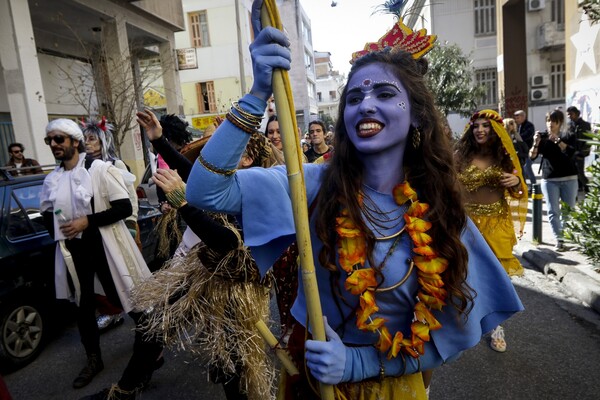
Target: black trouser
{"x":90,"y":259}
{"x":143,"y":360}
{"x":582,"y":180}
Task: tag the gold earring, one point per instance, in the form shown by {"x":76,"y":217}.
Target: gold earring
{"x":416,"y":138}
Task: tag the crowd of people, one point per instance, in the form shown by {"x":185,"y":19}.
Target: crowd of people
{"x":409,"y":231}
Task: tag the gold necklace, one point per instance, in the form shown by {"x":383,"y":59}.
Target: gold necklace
{"x":393,"y":235}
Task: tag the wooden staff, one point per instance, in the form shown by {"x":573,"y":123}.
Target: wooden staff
{"x":286,"y":115}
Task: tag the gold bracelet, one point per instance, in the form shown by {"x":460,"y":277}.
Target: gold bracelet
{"x":213,"y":168}
{"x":241,"y":124}
{"x":176,"y":197}
{"x":252,"y":118}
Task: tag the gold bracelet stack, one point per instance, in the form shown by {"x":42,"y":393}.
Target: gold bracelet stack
{"x":176,"y":197}
{"x":242,"y":119}
{"x":213,"y":168}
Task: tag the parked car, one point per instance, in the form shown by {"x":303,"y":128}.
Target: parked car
{"x":146,"y":190}
{"x":27,"y":296}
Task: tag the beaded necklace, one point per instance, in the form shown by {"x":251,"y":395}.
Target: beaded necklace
{"x":362,"y":281}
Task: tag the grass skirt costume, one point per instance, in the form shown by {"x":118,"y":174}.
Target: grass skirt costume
{"x":246,"y":193}
{"x":207,"y":304}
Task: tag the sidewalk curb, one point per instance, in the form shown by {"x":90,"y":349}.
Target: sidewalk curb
{"x":578,"y":279}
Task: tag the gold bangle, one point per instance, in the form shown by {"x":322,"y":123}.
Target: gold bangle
{"x":254,"y":119}
{"x":241,"y":124}
{"x":213,"y":168}
{"x":176,"y":197}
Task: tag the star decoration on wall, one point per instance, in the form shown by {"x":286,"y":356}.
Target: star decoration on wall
{"x":584,"y":43}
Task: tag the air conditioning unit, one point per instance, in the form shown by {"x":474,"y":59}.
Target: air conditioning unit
{"x":540,"y":80}
{"x":536,"y":5}
{"x":540,"y":94}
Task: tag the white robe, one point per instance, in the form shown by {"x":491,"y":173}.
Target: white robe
{"x":126,"y":263}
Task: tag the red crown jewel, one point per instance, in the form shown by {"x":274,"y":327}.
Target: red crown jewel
{"x":400,"y":37}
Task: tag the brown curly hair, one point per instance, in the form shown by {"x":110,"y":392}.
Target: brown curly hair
{"x":467,"y":147}
{"x":429,"y":169}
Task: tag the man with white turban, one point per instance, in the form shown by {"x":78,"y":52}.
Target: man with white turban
{"x":85,"y":202}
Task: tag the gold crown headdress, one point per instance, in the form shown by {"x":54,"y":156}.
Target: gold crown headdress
{"x":399,"y":37}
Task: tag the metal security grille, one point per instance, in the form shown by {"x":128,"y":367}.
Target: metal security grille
{"x":488,"y":78}
{"x":485,"y":17}
{"x":557,"y":80}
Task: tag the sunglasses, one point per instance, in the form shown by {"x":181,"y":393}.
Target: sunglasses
{"x":58,"y":139}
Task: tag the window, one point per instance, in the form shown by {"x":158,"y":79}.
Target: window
{"x":332,"y":95}
{"x":306,"y":34}
{"x":319,"y":96}
{"x":25,"y":218}
{"x":558,"y":13}
{"x":198,"y":26}
{"x":307,"y":60}
{"x":311,"y":90}
{"x":557,"y":80}
{"x":485,"y":17}
{"x":205,"y":91}
{"x":487,"y":78}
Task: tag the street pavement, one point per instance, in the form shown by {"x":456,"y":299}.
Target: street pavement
{"x":553,"y":346}
{"x":577,"y":274}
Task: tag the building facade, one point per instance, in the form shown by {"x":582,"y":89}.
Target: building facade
{"x":74,"y":58}
{"x":517,"y":48}
{"x":302,"y":74}
{"x":215,"y":66}
{"x":213,"y":57}
{"x":329,"y":86}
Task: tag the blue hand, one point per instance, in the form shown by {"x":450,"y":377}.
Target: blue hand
{"x":326,"y":360}
{"x":255,"y":18}
{"x":269,"y":51}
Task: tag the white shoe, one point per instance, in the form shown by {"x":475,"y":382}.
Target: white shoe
{"x":497,"y":341}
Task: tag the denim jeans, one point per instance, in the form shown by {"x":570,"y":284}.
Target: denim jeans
{"x":555,"y":192}
{"x":528,"y":171}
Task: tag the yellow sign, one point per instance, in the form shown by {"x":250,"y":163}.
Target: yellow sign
{"x":153,"y":98}
{"x":203,"y":122}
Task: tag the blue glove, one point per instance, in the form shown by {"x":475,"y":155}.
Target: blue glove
{"x":327,"y":360}
{"x":269,"y":50}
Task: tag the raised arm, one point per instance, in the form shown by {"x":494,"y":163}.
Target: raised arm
{"x":212,"y":184}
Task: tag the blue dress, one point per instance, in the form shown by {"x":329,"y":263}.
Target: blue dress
{"x":261,"y":199}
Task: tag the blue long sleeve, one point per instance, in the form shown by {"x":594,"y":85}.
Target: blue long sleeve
{"x":212,"y":191}
{"x":363,"y":363}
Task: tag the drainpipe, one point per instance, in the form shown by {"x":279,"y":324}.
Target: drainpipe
{"x":240,"y":50}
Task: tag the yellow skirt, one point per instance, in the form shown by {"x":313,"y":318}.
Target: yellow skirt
{"x":496,"y":226}
{"x":391,"y":388}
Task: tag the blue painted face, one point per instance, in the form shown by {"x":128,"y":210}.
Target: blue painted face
{"x":378,"y":112}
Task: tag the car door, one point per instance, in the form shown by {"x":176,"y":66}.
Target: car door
{"x":26,"y":273}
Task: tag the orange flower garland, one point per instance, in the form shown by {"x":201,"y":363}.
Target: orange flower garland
{"x":362,"y":281}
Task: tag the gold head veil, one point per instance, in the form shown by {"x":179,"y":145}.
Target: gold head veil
{"x":517,"y":200}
